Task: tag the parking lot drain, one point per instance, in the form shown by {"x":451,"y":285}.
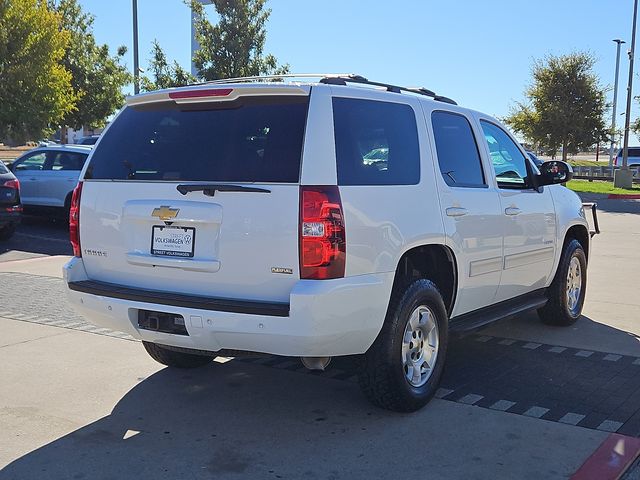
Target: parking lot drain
{"x":571,"y":418}
{"x":536,"y":412}
{"x":502,"y":405}
{"x":557,"y":349}
{"x":483,"y":339}
{"x":470,"y":399}
{"x":507,"y":341}
{"x":531,"y":345}
{"x":609,"y":426}
{"x":584,"y":353}
{"x":612,"y":357}
{"x":443,"y":392}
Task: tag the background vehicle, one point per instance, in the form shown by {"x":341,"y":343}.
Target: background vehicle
{"x":48,"y":175}
{"x":10,"y":207}
{"x":534,"y":158}
{"x":343,"y":217}
{"x":633,"y":159}
{"x":88,"y":140}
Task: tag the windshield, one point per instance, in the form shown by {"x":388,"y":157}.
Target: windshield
{"x":258,"y":139}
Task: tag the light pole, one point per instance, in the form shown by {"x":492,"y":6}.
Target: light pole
{"x":615,"y":101}
{"x":136,"y":63}
{"x":624,"y":178}
{"x":194,"y":41}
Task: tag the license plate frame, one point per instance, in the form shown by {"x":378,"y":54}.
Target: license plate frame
{"x":182,"y":252}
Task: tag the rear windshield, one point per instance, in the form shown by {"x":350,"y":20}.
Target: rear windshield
{"x":255,"y":140}
{"x":3,"y":169}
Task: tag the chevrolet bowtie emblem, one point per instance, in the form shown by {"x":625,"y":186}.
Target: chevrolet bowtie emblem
{"x":165,"y":212}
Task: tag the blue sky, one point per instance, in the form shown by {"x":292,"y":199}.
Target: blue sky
{"x":478,"y":53}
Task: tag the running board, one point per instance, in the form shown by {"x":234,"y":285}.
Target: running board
{"x":508,"y":308}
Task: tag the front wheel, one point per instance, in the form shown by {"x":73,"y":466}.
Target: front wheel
{"x":402,"y":369}
{"x":567,"y":291}
{"x":172,"y":358}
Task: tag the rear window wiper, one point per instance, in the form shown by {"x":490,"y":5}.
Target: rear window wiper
{"x":210,"y":189}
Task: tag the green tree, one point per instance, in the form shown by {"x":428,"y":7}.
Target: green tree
{"x":163,"y":74}
{"x":97,"y":76}
{"x":234,"y":47}
{"x":35,"y":88}
{"x":565,"y":105}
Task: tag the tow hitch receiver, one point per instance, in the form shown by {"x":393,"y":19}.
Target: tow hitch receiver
{"x":162,"y":322}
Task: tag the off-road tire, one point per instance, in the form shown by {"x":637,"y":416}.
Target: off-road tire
{"x":176,"y":359}
{"x":381,"y":375}
{"x":556,"y":311}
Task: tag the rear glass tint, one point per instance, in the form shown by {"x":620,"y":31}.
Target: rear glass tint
{"x":376,"y":143}
{"x":254,"y":140}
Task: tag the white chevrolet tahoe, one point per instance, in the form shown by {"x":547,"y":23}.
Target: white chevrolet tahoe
{"x":319,"y":219}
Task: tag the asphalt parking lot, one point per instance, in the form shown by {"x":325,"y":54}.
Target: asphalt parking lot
{"x":518,"y":399}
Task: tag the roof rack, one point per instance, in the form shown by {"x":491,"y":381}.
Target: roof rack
{"x":338,"y":79}
{"x":343,"y":80}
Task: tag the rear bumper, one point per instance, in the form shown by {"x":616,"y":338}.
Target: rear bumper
{"x":325,"y":317}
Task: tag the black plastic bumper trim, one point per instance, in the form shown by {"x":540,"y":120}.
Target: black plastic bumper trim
{"x":274,"y":309}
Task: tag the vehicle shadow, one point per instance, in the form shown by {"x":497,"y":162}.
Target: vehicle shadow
{"x":586,"y":333}
{"x":37,"y":236}
{"x":243,"y":420}
{"x":222,"y":421}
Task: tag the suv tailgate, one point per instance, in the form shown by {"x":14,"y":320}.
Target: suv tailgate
{"x":141,"y":227}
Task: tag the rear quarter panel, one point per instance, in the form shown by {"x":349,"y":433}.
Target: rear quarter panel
{"x":384,"y":221}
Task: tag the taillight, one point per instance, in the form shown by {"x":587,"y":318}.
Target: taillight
{"x":322,"y":233}
{"x":12,"y":184}
{"x":74,"y":220}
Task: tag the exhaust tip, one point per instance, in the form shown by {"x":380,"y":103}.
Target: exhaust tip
{"x":315,"y":363}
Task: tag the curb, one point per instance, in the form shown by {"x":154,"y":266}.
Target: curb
{"x":618,"y":196}
{"x":610,"y":460}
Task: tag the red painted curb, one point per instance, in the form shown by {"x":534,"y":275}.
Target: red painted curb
{"x":620,"y":196}
{"x":610,"y":460}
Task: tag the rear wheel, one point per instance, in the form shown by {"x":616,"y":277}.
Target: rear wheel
{"x":7,"y":231}
{"x":175,"y":359}
{"x":402,"y":369}
{"x":567,"y":291}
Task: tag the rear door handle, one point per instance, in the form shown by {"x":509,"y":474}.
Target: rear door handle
{"x":512,"y":211}
{"x":456,"y":211}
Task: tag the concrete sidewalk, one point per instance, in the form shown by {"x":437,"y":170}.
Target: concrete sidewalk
{"x":46,"y":266}
{"x":76,"y":405}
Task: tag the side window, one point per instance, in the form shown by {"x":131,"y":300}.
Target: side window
{"x":68,"y":161}
{"x":34,"y":161}
{"x":457,"y":150}
{"x":508,"y":161}
{"x":376,"y":143}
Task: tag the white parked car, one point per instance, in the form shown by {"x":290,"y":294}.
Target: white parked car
{"x":48,"y":176}
{"x":249,"y":216}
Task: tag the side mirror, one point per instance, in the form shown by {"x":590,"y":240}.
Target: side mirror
{"x":554,"y":172}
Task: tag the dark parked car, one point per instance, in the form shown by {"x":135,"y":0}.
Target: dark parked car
{"x":10,"y":207}
{"x":534,"y":157}
{"x":88,"y":140}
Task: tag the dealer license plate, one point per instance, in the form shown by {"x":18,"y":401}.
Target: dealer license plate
{"x":172,"y":241}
